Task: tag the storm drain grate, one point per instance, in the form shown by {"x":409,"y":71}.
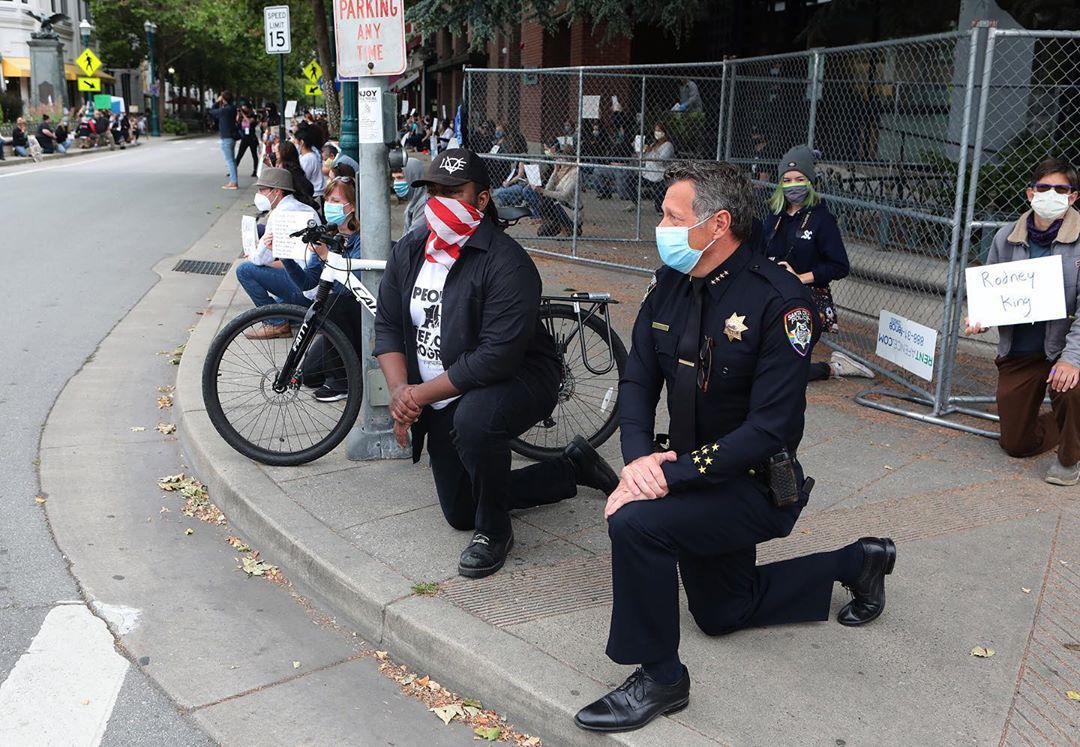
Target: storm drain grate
{"x":202,"y":267}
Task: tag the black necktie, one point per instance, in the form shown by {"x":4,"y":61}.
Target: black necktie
{"x":682,"y":427}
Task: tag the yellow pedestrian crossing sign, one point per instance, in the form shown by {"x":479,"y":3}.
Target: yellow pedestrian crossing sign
{"x":90,"y":84}
{"x":312,"y":89}
{"x":87,"y":61}
{"x":313,"y":71}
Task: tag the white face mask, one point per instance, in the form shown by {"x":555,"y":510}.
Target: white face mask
{"x":1049,"y":205}
{"x":262,"y":203}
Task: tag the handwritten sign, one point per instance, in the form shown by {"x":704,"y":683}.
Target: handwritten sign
{"x":370,"y":37}
{"x":907,"y":344}
{"x":590,"y":107}
{"x":285,"y":222}
{"x":1030,"y":290}
{"x":532,"y":173}
{"x":249,"y":234}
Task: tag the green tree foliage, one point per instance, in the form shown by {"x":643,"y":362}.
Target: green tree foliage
{"x":213,"y":43}
{"x":616,"y":17}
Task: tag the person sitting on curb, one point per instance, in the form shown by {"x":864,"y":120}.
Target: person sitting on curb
{"x":345,"y":311}
{"x":47,"y":138}
{"x":263,"y":277}
{"x":470,"y":365}
{"x":1031,"y":356}
{"x":20,"y":142}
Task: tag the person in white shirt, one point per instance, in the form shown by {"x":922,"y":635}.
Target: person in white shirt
{"x":263,"y":277}
{"x":309,"y":159}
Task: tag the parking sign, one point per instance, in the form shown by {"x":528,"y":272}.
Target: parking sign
{"x":277,"y":34}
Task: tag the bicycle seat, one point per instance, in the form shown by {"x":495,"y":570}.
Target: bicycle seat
{"x":514,"y":213}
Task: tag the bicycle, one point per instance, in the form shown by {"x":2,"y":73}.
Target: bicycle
{"x":253,"y":388}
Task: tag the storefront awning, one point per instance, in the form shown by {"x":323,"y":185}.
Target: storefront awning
{"x":16,"y":67}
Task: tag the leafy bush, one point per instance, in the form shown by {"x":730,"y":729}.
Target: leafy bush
{"x":174,"y":126}
{"x":11,"y":106}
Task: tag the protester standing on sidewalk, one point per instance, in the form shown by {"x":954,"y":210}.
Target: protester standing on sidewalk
{"x":248,"y":125}
{"x":1031,"y":356}
{"x":802,"y":236}
{"x":225,"y":114}
{"x":470,"y":365}
{"x":728,"y":335}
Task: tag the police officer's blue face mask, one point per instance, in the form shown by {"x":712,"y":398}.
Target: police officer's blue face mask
{"x":673,"y":242}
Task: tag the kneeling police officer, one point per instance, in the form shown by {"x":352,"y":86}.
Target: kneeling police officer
{"x":729,"y":335}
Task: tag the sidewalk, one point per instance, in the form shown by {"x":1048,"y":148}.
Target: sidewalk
{"x":989,"y":555}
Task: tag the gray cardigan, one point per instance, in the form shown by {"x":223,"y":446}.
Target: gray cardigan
{"x":1011,"y":245}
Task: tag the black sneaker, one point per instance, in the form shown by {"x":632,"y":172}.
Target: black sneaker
{"x":484,"y":556}
{"x":590,"y":469}
{"x":327,"y":394}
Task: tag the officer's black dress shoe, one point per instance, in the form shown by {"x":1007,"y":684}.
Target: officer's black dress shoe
{"x":868,"y":590}
{"x":484,"y":555}
{"x":590,"y":469}
{"x":635,"y":703}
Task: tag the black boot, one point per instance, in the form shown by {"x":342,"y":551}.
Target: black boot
{"x":484,"y":556}
{"x":635,"y":703}
{"x":590,"y":469}
{"x":868,"y":590}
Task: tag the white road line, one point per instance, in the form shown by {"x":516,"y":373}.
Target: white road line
{"x":63,"y":689}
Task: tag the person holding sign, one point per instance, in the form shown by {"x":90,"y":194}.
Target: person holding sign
{"x":801,"y":236}
{"x":1045,"y":353}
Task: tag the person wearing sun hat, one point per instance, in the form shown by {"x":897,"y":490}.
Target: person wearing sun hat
{"x":469,"y":364}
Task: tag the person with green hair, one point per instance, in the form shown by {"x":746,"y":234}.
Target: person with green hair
{"x":802,"y":236}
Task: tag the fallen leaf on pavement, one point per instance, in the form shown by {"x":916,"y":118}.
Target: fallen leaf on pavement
{"x":296,"y":665}
{"x":408,"y":679}
{"x":1073,"y":647}
{"x":39,"y":500}
{"x":434,"y":686}
{"x":1025,"y":589}
{"x":490,"y":733}
{"x":166,"y":428}
{"x":255,"y":567}
{"x":137,"y":429}
{"x":471,"y":711}
{"x":472,"y":702}
{"x":189,"y":531}
{"x":164,"y":510}
{"x":85,"y":701}
{"x":238,"y":544}
{"x":982,"y":652}
{"x":380,"y":654}
{"x":167,"y":389}
{"x":447,"y":712}
{"x":422,"y":682}
{"x":1072,"y":695}
{"x":164,"y":401}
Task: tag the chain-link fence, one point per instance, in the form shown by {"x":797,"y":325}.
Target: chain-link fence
{"x":926,"y":145}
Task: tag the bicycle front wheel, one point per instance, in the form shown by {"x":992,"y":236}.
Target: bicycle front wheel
{"x":588,"y":402}
{"x":292,"y":426}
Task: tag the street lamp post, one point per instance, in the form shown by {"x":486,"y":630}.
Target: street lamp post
{"x":85,"y":30}
{"x":151,"y":28}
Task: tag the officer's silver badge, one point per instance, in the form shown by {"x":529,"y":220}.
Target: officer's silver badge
{"x":799,"y":329}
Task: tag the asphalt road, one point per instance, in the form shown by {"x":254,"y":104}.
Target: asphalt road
{"x":80,"y":239}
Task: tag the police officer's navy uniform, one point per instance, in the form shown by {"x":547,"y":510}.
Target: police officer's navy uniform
{"x":758,"y":327}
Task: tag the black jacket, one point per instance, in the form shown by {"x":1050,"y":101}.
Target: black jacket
{"x":225,"y":116}
{"x":490,"y":312}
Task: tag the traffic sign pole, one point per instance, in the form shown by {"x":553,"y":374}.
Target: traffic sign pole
{"x":277,"y":35}
{"x":281,"y":97}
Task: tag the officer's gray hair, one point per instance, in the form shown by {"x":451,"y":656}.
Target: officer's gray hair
{"x":717,"y":186}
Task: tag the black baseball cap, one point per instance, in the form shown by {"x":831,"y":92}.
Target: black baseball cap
{"x":455,"y":167}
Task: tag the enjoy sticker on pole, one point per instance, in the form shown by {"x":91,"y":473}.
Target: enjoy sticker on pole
{"x":1030,"y":290}
{"x":907,"y":344}
{"x":370,"y":36}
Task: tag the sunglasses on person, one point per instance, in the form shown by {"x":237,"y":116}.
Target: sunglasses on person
{"x":1061,"y":189}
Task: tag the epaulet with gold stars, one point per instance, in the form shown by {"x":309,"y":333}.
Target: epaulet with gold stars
{"x":701,"y":458}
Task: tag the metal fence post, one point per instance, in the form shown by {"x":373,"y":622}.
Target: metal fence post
{"x":580,"y":176}
{"x":958,"y":261}
{"x":641,"y":161}
{"x":727,"y":120}
{"x":814,"y":93}
{"x":720,"y":111}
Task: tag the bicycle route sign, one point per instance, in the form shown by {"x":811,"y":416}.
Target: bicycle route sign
{"x":277,"y":32}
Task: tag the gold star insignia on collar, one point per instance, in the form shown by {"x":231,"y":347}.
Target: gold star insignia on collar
{"x":734,"y":327}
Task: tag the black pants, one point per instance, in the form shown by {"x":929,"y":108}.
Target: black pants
{"x":818,"y":371}
{"x":710,"y":536}
{"x":468,"y":443}
{"x":249,"y":143}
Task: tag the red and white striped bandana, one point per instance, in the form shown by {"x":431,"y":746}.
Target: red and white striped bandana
{"x":451,"y":222}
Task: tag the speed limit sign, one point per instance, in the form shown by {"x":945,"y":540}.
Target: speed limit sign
{"x":278,"y":36}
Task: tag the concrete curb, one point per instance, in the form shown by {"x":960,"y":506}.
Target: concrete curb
{"x":539,"y":693}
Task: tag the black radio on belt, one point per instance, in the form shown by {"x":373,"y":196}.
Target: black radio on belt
{"x":783,"y":482}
